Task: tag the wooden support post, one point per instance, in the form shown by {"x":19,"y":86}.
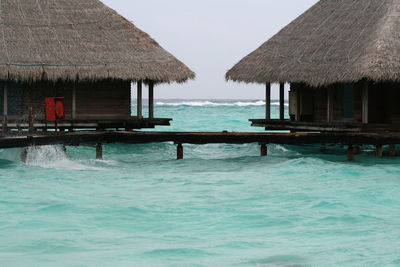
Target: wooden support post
{"x":264,"y":150}
{"x":350,"y":153}
{"x":281,"y":101}
{"x":5,"y":100}
{"x":31,"y":120}
{"x":365,"y":102}
{"x":329,"y":107}
{"x":5,"y":109}
{"x":74,"y":102}
{"x":379,"y":150}
{"x":151,"y":100}
{"x":99,"y":151}
{"x":179,"y":152}
{"x":268,"y":101}
{"x":139,"y":100}
{"x":392,"y":150}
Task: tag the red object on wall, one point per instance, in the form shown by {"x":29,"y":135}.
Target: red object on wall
{"x":55,"y":108}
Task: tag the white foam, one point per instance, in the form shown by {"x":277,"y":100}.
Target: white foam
{"x":54,"y":157}
{"x":216,"y":104}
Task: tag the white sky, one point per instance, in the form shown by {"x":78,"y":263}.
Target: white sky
{"x":210,"y":36}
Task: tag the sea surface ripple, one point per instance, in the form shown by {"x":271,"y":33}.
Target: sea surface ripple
{"x":222,"y":205}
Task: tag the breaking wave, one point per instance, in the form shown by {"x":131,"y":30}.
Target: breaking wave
{"x":206,"y":103}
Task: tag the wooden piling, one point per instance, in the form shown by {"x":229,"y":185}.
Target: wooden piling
{"x":264,"y":150}
{"x":392,"y":150}
{"x":379,"y":150}
{"x":179,"y":152}
{"x":350,"y":153}
{"x":99,"y":151}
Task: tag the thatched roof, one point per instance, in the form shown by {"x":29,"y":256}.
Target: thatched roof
{"x":79,"y":39}
{"x":334,"y":41}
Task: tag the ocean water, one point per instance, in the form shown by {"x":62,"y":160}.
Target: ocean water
{"x":222,"y":205}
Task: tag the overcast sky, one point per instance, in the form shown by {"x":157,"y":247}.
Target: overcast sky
{"x":210,"y":36}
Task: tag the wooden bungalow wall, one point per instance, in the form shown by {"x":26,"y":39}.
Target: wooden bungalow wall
{"x":383,"y":102}
{"x":94,"y":100}
{"x":317,"y":100}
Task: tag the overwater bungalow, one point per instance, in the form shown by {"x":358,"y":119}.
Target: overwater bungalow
{"x":342,"y":62}
{"x":70,"y":64}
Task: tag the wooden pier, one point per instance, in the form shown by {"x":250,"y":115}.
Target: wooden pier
{"x":179,"y":138}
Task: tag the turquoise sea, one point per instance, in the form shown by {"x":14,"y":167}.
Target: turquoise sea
{"x":222,"y":205}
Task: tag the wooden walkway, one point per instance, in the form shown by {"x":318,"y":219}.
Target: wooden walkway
{"x":81,"y":137}
{"x":179,"y":138}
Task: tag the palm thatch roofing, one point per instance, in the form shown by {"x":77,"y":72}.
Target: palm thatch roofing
{"x":334,"y":41}
{"x":79,"y":39}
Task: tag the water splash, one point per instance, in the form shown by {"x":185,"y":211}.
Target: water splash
{"x":55,"y":157}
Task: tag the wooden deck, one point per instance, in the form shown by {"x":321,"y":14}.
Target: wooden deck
{"x":22,"y":125}
{"x":83,"y":137}
{"x":288,"y":125}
